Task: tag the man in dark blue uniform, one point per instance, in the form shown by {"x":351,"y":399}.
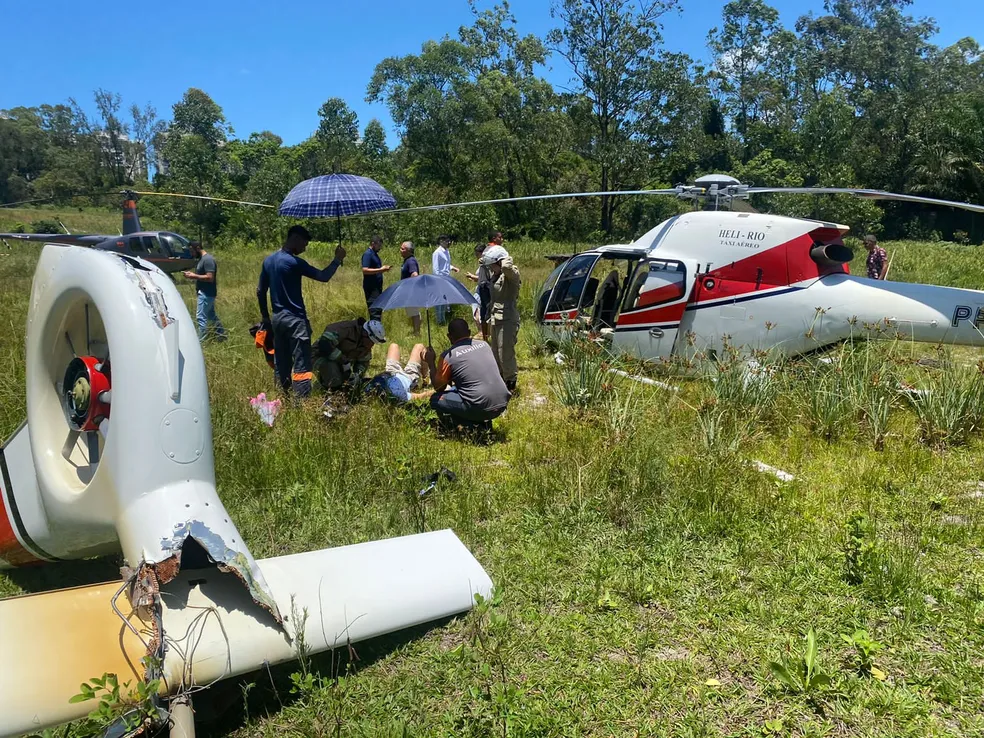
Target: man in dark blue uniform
{"x":281,"y":277}
{"x":372,"y":276}
{"x":410,"y":269}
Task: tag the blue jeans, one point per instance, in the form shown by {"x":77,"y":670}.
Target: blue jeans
{"x":441,"y":311}
{"x":206,"y":314}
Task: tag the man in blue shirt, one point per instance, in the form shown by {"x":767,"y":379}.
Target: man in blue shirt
{"x":281,"y":277}
{"x":372,"y":276}
{"x":441,"y":264}
{"x":410,"y":269}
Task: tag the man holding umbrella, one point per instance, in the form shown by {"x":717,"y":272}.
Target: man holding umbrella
{"x":467,"y":385}
{"x":281,"y":277}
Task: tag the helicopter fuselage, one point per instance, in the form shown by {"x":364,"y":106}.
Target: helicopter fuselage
{"x":700,"y":283}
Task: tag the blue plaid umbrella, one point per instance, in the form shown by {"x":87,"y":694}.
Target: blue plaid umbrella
{"x":335,"y":195}
{"x":424,"y":291}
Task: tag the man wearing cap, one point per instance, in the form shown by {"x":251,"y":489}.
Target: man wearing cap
{"x":372,"y":276}
{"x":281,"y":277}
{"x":466,"y":381}
{"x":504,"y":283}
{"x":344,"y":351}
{"x":410,"y":268}
{"x":441,"y":265}
{"x":400,"y":383}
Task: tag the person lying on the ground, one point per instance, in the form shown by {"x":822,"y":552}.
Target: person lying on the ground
{"x":400,"y":383}
{"x":344,"y":351}
{"x":466,"y":381}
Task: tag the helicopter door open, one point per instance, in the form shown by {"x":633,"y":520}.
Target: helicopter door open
{"x":573,"y":284}
{"x":653,"y":307}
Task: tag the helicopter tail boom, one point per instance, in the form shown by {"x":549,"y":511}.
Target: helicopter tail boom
{"x":849,"y":305}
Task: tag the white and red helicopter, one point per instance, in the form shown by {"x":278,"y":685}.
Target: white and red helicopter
{"x":711,"y":279}
{"x":715,"y":278}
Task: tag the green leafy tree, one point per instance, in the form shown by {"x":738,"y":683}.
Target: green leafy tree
{"x":614,"y":49}
{"x":742,"y":48}
{"x":338,"y":135}
{"x":192,"y":150}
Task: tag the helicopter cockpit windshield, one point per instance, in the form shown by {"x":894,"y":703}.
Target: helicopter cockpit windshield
{"x":588,"y":288}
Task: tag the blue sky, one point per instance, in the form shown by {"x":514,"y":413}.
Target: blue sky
{"x":271,"y":65}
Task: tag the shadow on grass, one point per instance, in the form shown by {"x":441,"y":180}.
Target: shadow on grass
{"x":226,"y":706}
{"x":66,"y":574}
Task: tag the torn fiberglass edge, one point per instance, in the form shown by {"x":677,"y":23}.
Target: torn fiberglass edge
{"x":240,"y":563}
{"x":152,"y":294}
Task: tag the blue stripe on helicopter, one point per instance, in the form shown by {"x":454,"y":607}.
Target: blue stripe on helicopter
{"x":732,"y":300}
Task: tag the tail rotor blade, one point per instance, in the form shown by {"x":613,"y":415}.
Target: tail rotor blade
{"x":70,"y":442}
{"x":92,"y":441}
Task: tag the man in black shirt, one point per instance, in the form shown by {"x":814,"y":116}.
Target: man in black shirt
{"x":410,"y":269}
{"x":372,"y":276}
{"x":206,"y":284}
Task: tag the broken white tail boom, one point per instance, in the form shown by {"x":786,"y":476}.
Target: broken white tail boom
{"x":214,"y":630}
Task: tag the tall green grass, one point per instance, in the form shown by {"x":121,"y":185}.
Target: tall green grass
{"x":648,"y":573}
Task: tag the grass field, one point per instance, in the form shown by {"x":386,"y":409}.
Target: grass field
{"x":647,"y":573}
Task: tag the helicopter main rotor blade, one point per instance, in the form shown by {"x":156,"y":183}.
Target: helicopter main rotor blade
{"x":204,"y":197}
{"x":866,"y":194}
{"x":499,"y":201}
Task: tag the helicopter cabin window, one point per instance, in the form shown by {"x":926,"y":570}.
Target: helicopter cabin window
{"x":570,"y":286}
{"x":135,"y":245}
{"x":150,"y":243}
{"x":655,"y":283}
{"x":173,"y":244}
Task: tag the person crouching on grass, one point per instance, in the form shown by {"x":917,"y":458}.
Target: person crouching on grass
{"x":467,"y":385}
{"x":343,"y":352}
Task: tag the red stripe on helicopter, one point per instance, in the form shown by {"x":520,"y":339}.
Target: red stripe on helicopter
{"x":11,"y":549}
{"x":662,"y":314}
{"x":560,"y":315}
{"x":660,"y":295}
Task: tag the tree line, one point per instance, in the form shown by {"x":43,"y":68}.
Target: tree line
{"x":855,"y":95}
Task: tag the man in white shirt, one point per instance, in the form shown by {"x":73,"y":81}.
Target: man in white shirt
{"x":441,"y":264}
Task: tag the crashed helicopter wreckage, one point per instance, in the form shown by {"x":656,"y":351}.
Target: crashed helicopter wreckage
{"x":116,"y":455}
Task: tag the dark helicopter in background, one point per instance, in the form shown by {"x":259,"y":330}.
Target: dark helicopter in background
{"x":168,"y":251}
